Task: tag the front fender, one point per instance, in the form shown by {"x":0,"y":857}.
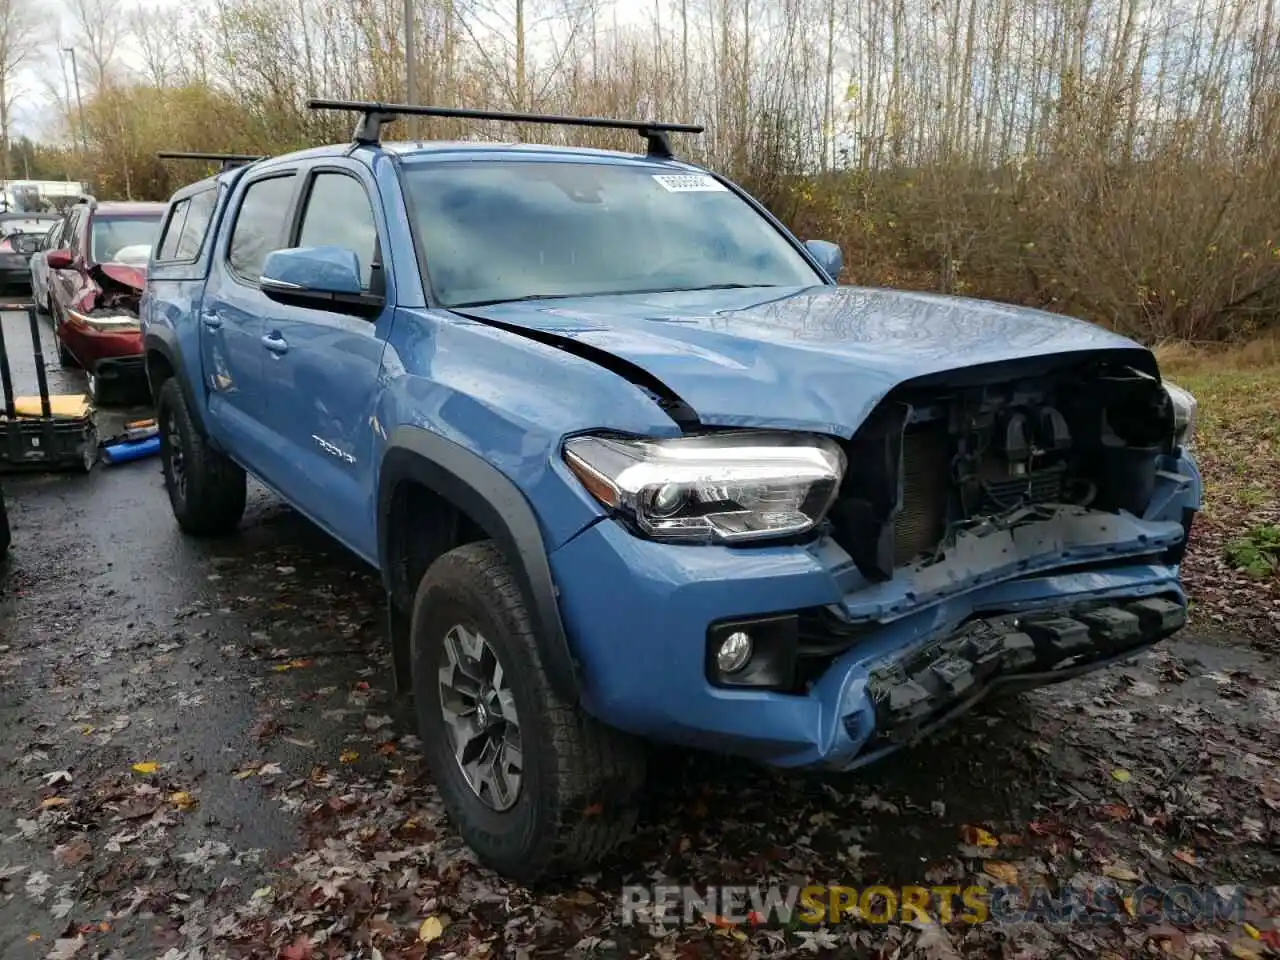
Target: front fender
{"x":477,"y":415}
{"x":497,"y":506}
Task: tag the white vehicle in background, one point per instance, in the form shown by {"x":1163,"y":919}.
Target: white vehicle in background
{"x":46,"y":202}
{"x":39,"y":196}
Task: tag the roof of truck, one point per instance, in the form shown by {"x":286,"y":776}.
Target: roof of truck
{"x":409,"y":149}
{"x":367,"y":143}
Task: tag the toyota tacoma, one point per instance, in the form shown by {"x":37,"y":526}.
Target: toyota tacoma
{"x":634,"y":467}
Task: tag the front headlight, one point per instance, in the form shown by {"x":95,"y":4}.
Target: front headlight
{"x":1184,"y":413}
{"x":727,"y":487}
{"x":106,"y":321}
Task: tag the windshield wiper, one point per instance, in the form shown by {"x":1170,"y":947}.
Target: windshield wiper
{"x":530,"y":296}
{"x":608,"y":293}
{"x":718,"y":286}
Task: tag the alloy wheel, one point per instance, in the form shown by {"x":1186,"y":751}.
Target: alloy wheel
{"x":177,"y":463}
{"x":480,"y":718}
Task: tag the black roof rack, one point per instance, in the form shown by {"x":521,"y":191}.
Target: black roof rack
{"x":229,"y":160}
{"x":369,"y":128}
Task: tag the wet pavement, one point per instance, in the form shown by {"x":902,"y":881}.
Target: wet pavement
{"x":203,"y":758}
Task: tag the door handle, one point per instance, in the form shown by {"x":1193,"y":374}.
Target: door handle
{"x":212,"y":320}
{"x":275,"y":343}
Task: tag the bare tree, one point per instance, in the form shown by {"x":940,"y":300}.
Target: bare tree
{"x":19,"y":37}
{"x":1117,"y":158}
{"x":100,"y":28}
{"x":153,"y":29}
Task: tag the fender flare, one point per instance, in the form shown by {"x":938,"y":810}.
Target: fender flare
{"x":164,"y":341}
{"x":479,"y":490}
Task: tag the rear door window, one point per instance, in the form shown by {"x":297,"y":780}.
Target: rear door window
{"x":173,"y":231}
{"x":199,"y":213}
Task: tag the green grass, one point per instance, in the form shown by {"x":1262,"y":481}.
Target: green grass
{"x":1237,"y":445}
{"x":1257,"y":553}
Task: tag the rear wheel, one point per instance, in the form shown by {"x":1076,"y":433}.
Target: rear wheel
{"x":534,"y":785}
{"x":206,"y":489}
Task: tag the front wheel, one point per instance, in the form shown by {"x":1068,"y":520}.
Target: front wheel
{"x":534,"y":785}
{"x":206,"y":489}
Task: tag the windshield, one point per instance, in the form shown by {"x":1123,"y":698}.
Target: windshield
{"x":123,"y":239}
{"x":509,"y":230}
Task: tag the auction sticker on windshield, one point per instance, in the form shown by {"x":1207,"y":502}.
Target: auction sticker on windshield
{"x":688,"y":182}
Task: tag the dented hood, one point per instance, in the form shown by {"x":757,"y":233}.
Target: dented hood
{"x":128,"y":274}
{"x":814,"y":358}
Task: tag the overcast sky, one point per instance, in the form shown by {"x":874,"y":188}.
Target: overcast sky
{"x":34,"y":112}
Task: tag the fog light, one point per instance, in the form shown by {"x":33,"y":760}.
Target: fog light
{"x":757,"y":652}
{"x":734,"y":652}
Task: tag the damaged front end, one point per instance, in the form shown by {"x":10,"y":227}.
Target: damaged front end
{"x":810,"y":600}
{"x":111,"y":298}
{"x":101,"y":327}
{"x":1007,"y":534}
{"x":913,"y":694}
{"x":943,"y":470}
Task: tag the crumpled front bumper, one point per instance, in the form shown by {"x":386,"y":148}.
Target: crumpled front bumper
{"x":925,"y":688}
{"x":639,"y":617}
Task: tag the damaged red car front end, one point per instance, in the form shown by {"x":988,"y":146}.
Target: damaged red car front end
{"x":101,"y":330}
{"x":95,"y":286}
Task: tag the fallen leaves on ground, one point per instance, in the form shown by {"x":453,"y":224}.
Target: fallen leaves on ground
{"x":1156,"y":772}
{"x":978,"y":837}
{"x":1006,"y":873}
{"x":182,"y":800}
{"x":430,"y":929}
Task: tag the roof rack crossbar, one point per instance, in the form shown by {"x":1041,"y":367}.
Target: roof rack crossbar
{"x":375,"y":115}
{"x":229,"y":160}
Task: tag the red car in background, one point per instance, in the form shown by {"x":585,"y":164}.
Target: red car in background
{"x":96,"y":274}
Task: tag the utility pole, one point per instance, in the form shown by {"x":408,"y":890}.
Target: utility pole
{"x":75,"y":73}
{"x":410,"y":67}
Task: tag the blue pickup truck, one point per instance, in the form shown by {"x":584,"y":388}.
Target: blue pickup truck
{"x":635,"y":468}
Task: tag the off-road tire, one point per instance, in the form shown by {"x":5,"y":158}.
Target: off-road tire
{"x":212,"y":502}
{"x":581,"y":780}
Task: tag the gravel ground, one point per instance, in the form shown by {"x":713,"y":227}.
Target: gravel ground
{"x":203,"y":758}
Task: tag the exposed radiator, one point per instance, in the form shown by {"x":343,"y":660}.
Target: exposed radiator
{"x":926,"y":477}
{"x":1041,"y":486}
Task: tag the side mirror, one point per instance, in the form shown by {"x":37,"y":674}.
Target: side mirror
{"x":59,"y":259}
{"x":828,"y":256}
{"x":321,"y":278}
